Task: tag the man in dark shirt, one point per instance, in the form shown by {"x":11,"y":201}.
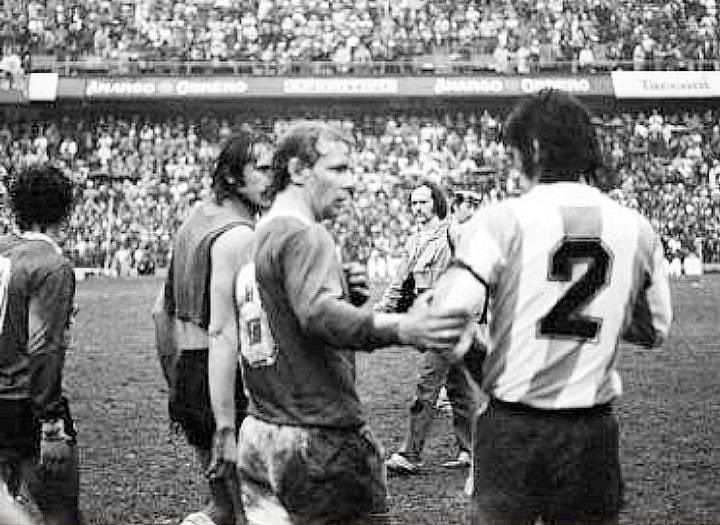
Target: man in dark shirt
{"x":306,"y":453}
{"x":37,"y":289}
{"x":190,"y":322}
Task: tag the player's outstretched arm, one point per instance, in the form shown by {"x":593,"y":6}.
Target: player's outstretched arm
{"x":423,"y":326}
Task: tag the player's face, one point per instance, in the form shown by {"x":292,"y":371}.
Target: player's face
{"x":464,"y":211}
{"x":258,"y":176}
{"x":332,"y":181}
{"x":421,"y":204}
{"x":526,"y":182}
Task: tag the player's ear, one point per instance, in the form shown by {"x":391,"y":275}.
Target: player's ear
{"x":298,"y":171}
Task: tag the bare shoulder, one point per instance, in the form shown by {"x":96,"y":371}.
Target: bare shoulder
{"x":233,"y":244}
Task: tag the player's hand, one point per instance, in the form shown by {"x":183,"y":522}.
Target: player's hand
{"x":56,"y":448}
{"x":224,"y":454}
{"x":430,"y":328}
{"x":357,"y":279}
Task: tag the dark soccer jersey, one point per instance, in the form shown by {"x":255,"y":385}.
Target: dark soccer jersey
{"x":187,"y":291}
{"x":311,"y":379}
{"x":34,"y":275}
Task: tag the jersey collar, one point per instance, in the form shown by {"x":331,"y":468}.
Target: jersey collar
{"x":37,"y":236}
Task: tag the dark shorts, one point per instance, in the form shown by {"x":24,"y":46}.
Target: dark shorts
{"x":20,"y":430}
{"x":561,"y":466}
{"x":299,"y":475}
{"x":55,"y":496}
{"x":189,"y":403}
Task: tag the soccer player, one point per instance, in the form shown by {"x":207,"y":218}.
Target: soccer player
{"x":37,"y":290}
{"x":209,"y":248}
{"x":305,"y":452}
{"x":568,"y":273}
{"x":427,"y":256}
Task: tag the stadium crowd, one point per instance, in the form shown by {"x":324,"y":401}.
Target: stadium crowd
{"x":140,"y":177}
{"x":350,"y":35}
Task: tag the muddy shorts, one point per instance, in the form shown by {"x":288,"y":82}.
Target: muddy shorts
{"x":311,"y":475}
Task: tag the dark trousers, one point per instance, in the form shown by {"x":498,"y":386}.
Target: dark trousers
{"x":561,"y":466}
{"x":189,"y":403}
{"x":55,"y":496}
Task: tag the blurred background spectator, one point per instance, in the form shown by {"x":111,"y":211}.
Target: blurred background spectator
{"x":348,"y":36}
{"x":140,"y":175}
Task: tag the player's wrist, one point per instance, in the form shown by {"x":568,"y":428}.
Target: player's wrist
{"x":386,"y":329}
{"x":224,"y":429}
{"x":54,"y":430}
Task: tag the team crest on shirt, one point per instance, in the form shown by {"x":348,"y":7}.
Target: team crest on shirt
{"x":257,"y":345}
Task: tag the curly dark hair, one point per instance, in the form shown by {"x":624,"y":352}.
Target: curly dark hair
{"x":237,"y":152}
{"x":41,"y":195}
{"x":301,"y":142}
{"x":567,"y":142}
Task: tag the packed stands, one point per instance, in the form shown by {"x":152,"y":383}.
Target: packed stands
{"x":139,"y":176}
{"x":360,"y":36}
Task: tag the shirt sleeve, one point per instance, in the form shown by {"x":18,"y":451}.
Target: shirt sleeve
{"x":652,"y":312}
{"x":482,"y":246}
{"x":50,"y":313}
{"x":313,"y":282}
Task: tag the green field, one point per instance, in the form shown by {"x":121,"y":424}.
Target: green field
{"x":136,"y":471}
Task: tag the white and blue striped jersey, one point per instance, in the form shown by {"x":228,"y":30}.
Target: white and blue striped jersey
{"x":570,"y":273}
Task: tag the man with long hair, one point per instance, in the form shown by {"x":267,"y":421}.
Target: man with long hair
{"x":568,"y":273}
{"x":209,"y":248}
{"x":428,"y":255}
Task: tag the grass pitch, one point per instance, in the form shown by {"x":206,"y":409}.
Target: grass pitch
{"x":134,"y":470}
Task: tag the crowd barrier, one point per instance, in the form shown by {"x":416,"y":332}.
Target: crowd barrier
{"x":48,"y":87}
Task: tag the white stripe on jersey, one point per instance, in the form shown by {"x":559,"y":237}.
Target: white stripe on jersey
{"x":620,"y":233}
{"x":563,"y":263}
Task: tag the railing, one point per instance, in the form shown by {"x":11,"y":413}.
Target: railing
{"x":403,"y":67}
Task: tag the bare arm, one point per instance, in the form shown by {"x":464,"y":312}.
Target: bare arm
{"x":229,"y":253}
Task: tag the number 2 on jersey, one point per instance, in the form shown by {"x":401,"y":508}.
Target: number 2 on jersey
{"x":564,"y":319}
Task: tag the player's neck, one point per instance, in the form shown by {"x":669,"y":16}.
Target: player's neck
{"x":52,"y":233}
{"x":240,"y":207}
{"x":290,"y":201}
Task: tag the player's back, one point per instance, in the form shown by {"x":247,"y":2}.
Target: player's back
{"x":573,"y":264}
{"x":27,"y":263}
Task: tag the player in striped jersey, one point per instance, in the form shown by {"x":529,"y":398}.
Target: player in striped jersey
{"x":568,"y":273}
